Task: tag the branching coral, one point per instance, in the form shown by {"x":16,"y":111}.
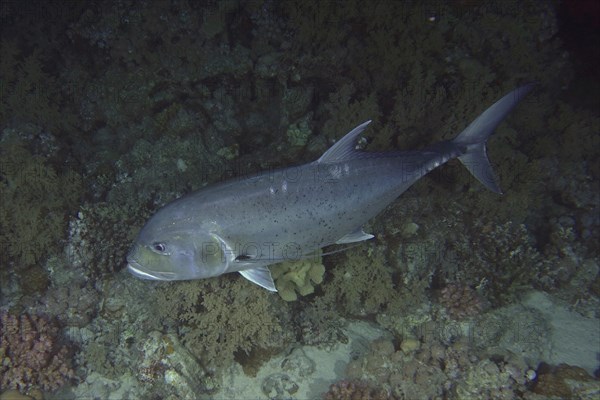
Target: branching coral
{"x":218,"y":318}
{"x":30,"y":354}
{"x":29,"y":92}
{"x":347,"y":107}
{"x":362,"y":283}
{"x":35,"y":199}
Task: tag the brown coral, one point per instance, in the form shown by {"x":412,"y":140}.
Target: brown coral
{"x":461,"y":301}
{"x":355,"y":390}
{"x":219,"y":318}
{"x":564,"y":381}
{"x":30,"y":355}
{"x":35,"y":198}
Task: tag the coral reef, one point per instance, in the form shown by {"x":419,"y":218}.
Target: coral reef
{"x":319,"y":324}
{"x":165,"y":358}
{"x":461,"y":301}
{"x":299,"y":133}
{"x":35,"y":198}
{"x":492,"y":380}
{"x":345,"y":105}
{"x":100,"y":236}
{"x":565,"y":382}
{"x":504,"y":260}
{"x":142,"y":102}
{"x":74,"y":303}
{"x":31,"y":94}
{"x":298,"y":277}
{"x":433,"y":370}
{"x":219,"y":318}
{"x":115,"y":344}
{"x":350,"y":390}
{"x":31,"y":355}
{"x":362,"y":282}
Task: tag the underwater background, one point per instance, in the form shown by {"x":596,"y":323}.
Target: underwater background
{"x":109,"y":110}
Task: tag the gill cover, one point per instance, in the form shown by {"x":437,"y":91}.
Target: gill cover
{"x":215,"y":255}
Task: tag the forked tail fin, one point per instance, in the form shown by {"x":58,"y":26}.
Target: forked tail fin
{"x":475,"y":136}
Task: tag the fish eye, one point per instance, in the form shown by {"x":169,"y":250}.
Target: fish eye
{"x":159,"y":247}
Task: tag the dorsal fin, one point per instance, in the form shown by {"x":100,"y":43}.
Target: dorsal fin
{"x":345,"y":147}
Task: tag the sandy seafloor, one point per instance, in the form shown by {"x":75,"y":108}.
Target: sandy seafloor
{"x":110,"y":110}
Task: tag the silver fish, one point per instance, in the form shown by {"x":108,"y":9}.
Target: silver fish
{"x":246,"y":225}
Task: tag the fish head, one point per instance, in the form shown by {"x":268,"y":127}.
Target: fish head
{"x":177,"y":256}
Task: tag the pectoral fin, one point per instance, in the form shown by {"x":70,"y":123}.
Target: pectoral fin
{"x":261,"y":276}
{"x":357,"y":236}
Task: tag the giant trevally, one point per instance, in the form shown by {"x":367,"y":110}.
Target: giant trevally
{"x":248,"y":224}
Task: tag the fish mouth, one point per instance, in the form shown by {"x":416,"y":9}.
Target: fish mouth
{"x":140,"y":272}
